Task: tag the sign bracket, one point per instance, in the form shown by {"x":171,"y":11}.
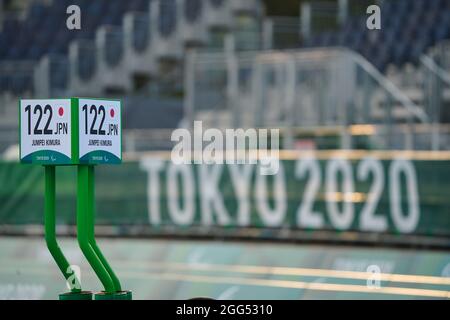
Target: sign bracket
{"x":91,"y":227}
{"x":52,"y":245}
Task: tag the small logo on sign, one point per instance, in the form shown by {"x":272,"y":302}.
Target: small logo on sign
{"x":111,"y":112}
{"x":61,"y":111}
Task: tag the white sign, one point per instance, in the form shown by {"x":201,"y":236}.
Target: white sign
{"x":99,"y":131}
{"x":45,"y":131}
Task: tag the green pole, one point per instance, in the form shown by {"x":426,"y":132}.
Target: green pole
{"x":91,"y":227}
{"x":50,"y":230}
{"x":84,"y":229}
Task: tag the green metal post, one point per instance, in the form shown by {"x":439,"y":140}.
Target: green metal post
{"x":91,"y":228}
{"x":50,"y":229}
{"x":84,"y":229}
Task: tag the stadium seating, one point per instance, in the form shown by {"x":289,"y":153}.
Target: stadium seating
{"x":121,"y":41}
{"x":139,"y":56}
{"x":50,"y":36}
{"x":166,"y":32}
{"x":48,"y":24}
{"x":117,"y":37}
{"x":193,"y":22}
{"x":408,"y":29}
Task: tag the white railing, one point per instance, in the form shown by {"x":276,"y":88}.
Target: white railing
{"x":307,"y":88}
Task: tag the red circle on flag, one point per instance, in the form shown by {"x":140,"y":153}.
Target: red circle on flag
{"x":111,"y":112}
{"x":61,"y":111}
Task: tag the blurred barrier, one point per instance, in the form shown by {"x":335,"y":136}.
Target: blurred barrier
{"x":395,"y":197}
{"x":436,"y":89}
{"x":296,"y":88}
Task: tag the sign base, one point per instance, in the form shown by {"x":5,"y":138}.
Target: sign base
{"x":82,"y":295}
{"x":120,"y":295}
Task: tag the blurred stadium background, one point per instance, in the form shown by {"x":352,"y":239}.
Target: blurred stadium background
{"x":364,"y":119}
